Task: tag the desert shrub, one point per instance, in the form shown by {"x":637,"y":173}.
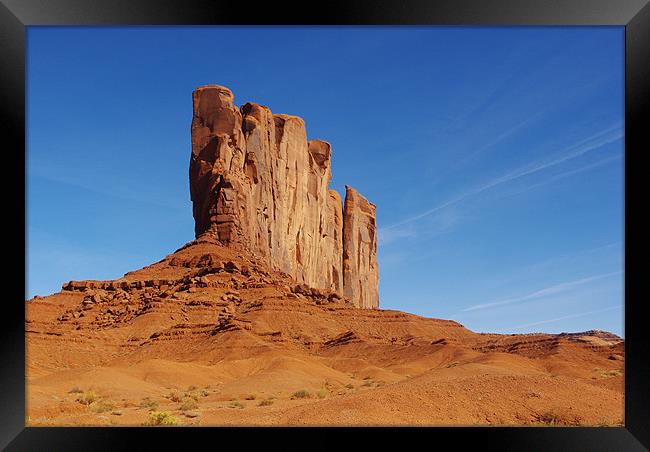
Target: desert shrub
{"x":191,"y":395}
{"x":549,"y":418}
{"x":191,"y":388}
{"x":610,"y":373}
{"x":87,"y":398}
{"x":236,"y":404}
{"x":160,"y":418}
{"x":148,"y":403}
{"x":251,"y":397}
{"x":175,"y":396}
{"x":266,"y":402}
{"x":349,"y":386}
{"x":367,"y":383}
{"x":75,"y":390}
{"x":189,"y":404}
{"x":205,"y":393}
{"x":101,"y":406}
{"x":322,"y":393}
{"x":302,"y":394}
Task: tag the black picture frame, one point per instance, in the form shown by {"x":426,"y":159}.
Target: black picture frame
{"x":634,"y":15}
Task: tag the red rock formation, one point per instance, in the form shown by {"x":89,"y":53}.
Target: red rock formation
{"x":360,"y":270}
{"x":257,"y":184}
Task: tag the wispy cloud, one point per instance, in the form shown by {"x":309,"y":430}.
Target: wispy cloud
{"x":551,"y":290}
{"x":572,"y":172}
{"x":596,"y":141}
{"x":503,"y":136}
{"x":572,"y":316}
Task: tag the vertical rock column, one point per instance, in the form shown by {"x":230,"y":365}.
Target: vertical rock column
{"x":258,"y":185}
{"x":360,"y":269}
{"x":326,"y":251}
{"x":217,"y":158}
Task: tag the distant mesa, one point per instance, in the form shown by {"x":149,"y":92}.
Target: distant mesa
{"x":258,"y":185}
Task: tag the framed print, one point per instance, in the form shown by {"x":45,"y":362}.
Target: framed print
{"x":409,"y":217}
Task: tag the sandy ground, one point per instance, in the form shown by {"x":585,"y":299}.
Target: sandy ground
{"x":225,"y":341}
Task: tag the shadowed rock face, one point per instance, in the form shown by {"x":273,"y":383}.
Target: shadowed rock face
{"x":257,"y":184}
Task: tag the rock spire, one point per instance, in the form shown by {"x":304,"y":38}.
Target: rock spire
{"x":257,"y":184}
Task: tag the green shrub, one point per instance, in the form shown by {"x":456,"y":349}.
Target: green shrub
{"x":266,"y":402}
{"x":161,"y":418}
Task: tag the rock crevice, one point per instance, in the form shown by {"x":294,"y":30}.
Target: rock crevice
{"x":259,"y":185}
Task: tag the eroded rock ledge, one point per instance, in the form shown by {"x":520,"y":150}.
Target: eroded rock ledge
{"x":257,"y":184}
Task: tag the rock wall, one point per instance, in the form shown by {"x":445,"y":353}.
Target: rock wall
{"x":360,"y":270}
{"x":257,"y":184}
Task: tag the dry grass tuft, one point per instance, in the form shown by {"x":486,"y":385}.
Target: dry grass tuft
{"x":87,"y":398}
{"x":101,"y":406}
{"x":302,"y":394}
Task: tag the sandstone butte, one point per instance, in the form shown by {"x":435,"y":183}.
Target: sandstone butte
{"x":262,"y":319}
{"x":257,"y":184}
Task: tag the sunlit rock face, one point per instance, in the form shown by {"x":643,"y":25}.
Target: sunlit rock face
{"x":257,"y":184}
{"x":360,"y":270}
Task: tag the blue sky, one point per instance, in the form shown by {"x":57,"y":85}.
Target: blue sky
{"x":494,"y":155}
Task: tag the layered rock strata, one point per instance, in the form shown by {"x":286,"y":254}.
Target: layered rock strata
{"x":257,"y":184}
